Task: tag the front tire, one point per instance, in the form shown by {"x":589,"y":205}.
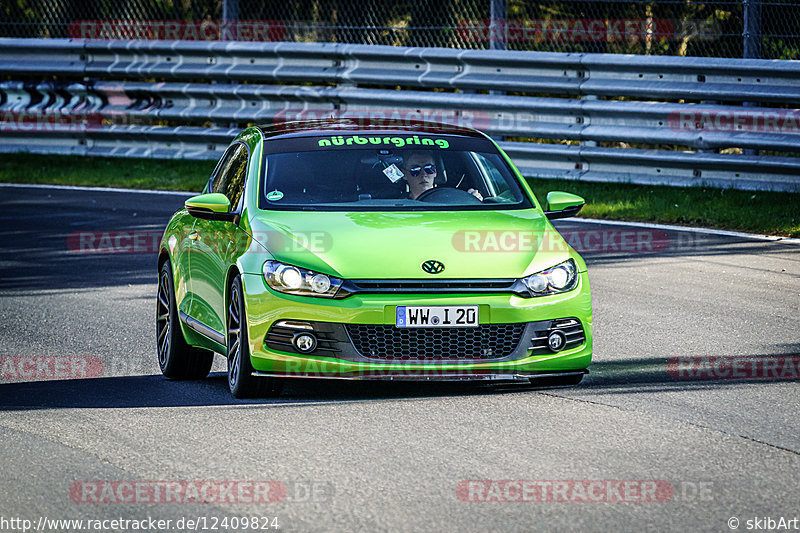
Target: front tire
{"x":176,"y":358}
{"x":240,"y":371}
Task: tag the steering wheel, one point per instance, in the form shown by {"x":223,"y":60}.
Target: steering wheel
{"x":447,"y":195}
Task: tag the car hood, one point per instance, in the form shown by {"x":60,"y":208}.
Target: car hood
{"x":393,"y":245}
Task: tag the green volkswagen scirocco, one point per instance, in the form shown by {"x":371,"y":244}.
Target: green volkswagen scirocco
{"x":335,"y":249}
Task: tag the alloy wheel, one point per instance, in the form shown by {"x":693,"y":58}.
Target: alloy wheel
{"x":163,"y":322}
{"x":234,"y":337}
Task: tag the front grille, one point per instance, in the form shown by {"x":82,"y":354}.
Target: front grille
{"x":445,"y":284}
{"x":387,"y":342}
{"x":572,"y":329}
{"x":431,"y":286}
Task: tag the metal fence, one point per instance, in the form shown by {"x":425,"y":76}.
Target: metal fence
{"x":594,"y":117}
{"x":767,"y":29}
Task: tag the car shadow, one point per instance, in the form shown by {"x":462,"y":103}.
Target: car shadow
{"x":658,"y":374}
{"x":157,"y":391}
{"x":629,"y":376}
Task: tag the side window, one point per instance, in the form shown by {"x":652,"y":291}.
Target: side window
{"x":223,"y":162}
{"x":231,"y":174}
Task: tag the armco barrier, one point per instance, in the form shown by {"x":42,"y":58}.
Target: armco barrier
{"x":602,"y":117}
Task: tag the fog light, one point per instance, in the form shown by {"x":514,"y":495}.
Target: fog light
{"x":556,"y":341}
{"x":304,"y":342}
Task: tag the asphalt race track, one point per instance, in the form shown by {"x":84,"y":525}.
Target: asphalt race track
{"x":720,"y":442}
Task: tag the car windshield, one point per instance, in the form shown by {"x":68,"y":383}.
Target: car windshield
{"x":375,"y":171}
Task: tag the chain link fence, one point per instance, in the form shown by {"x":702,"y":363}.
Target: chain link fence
{"x":767,"y":29}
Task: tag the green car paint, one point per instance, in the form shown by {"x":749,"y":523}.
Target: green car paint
{"x":215,"y":202}
{"x":557,"y":200}
{"x":208,"y":251}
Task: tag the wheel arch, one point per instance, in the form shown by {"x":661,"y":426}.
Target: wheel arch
{"x":233,"y":271}
{"x":163,"y":257}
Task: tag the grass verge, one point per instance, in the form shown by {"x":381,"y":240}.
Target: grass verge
{"x":166,"y":174}
{"x":758,"y":212}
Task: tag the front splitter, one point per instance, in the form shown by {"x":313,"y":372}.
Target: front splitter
{"x":461,"y":376}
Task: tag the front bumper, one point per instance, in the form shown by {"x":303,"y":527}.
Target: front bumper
{"x":264,"y":307}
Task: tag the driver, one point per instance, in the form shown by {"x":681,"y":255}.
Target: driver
{"x":420,"y":174}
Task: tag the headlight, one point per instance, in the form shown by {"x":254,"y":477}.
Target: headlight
{"x":560,"y":278}
{"x":294,"y":280}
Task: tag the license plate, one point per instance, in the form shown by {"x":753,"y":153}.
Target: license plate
{"x":458,"y":316}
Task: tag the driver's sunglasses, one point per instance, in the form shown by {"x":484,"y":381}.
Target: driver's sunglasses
{"x":415,"y":171}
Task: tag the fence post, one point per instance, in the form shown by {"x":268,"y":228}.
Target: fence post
{"x":230,"y":12}
{"x":229,"y":26}
{"x":752,"y":28}
{"x":497,"y":25}
{"x":498,"y":28}
{"x":751,"y":36}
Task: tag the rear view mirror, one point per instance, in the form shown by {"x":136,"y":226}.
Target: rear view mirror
{"x":212,"y":206}
{"x":563,"y":205}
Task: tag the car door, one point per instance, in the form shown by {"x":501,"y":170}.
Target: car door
{"x":215,"y":241}
{"x":181,"y":244}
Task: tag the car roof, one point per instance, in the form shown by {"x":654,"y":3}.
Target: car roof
{"x":333,"y":126}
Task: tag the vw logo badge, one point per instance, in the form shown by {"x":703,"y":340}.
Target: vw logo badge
{"x":432,"y":266}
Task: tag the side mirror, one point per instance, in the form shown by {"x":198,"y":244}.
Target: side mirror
{"x":563,"y":205}
{"x":212,"y":206}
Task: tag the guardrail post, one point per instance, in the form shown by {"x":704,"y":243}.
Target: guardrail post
{"x":583,"y":119}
